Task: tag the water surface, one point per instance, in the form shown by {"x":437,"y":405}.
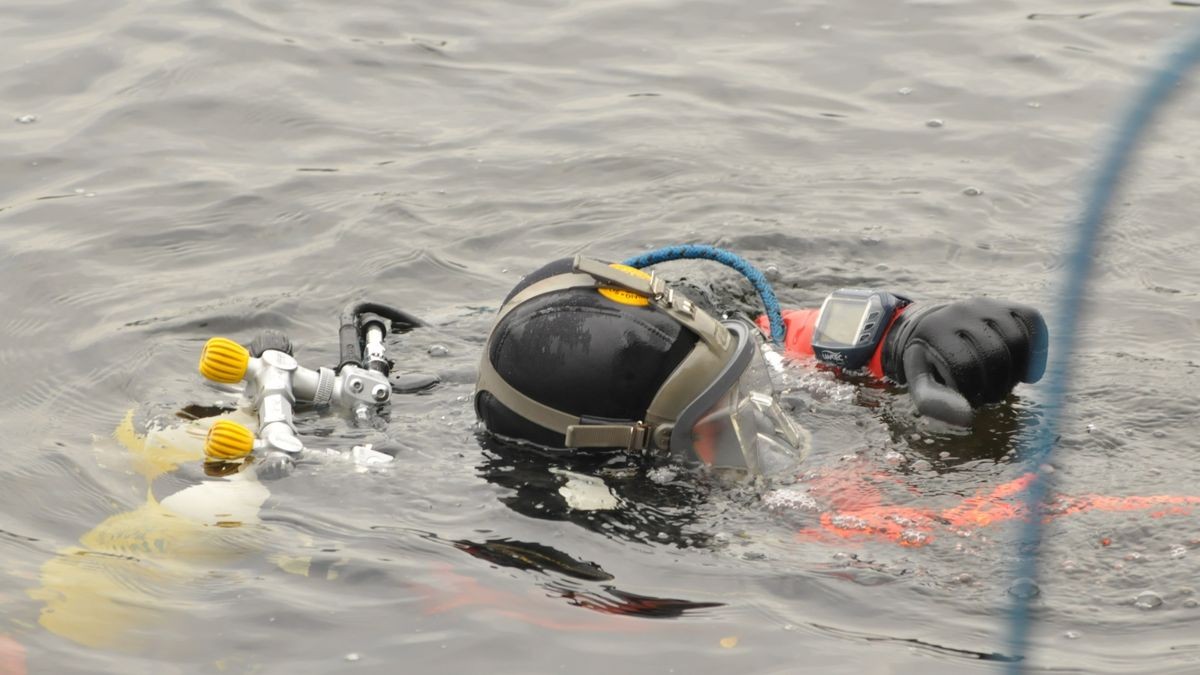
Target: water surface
{"x":176,"y":170}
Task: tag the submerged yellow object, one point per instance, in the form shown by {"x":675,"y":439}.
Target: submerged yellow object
{"x":135,"y":569}
{"x":224,"y":361}
{"x":227,"y":440}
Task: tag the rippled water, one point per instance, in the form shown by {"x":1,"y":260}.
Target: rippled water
{"x":175,"y":170}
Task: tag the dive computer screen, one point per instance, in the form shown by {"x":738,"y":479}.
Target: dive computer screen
{"x":840,"y":321}
{"x":851,"y":324}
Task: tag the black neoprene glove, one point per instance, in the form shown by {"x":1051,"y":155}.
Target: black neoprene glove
{"x":960,"y":355}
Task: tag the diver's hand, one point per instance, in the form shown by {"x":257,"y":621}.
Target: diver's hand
{"x":275,"y":465}
{"x":960,"y":355}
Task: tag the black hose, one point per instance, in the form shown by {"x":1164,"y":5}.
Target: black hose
{"x":351,"y":328}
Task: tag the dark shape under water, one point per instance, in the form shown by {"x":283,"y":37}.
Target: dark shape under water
{"x":526,"y":555}
{"x":631,"y":604}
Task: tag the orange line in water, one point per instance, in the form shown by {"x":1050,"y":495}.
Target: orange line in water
{"x":857,"y":513}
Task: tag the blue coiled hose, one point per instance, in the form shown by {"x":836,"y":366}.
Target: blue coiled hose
{"x":1078,"y":270}
{"x":704,"y":252}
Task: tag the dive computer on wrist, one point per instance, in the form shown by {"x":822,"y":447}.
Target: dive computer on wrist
{"x":851,"y":324}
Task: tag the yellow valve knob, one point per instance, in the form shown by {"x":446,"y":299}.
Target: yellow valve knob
{"x":227,"y":441}
{"x":224,"y":361}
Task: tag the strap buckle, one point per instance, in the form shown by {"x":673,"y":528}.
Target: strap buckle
{"x":639,"y":436}
{"x":634,"y":436}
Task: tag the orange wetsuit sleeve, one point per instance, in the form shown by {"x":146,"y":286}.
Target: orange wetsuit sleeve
{"x":798,"y":327}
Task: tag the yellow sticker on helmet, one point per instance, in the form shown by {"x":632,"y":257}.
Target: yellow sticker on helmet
{"x":624,"y":296}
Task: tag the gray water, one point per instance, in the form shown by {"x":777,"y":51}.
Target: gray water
{"x":176,"y":170}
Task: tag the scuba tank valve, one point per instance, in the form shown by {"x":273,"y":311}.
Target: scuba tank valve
{"x":275,"y":383}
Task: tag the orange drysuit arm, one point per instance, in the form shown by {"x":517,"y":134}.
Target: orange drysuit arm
{"x":798,"y":327}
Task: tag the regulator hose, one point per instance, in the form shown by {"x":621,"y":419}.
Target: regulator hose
{"x":356,"y":316}
{"x":729,"y":259}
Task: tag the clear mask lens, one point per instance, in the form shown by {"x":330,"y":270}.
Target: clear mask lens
{"x":746,"y":424}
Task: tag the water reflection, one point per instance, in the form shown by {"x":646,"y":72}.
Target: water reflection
{"x":652,"y":503}
{"x":537,"y":557}
{"x":627,"y":498}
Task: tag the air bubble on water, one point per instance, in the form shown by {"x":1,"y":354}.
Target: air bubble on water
{"x":26,"y":119}
{"x":1191,"y":603}
{"x":848,"y":522}
{"x":1024,"y":588}
{"x":904,"y":91}
{"x":439,"y":351}
{"x":790,"y":498}
{"x":352,"y":656}
{"x":1091,"y":427}
{"x":944,"y":455}
{"x":1178,"y":552}
{"x":1148,"y":600}
{"x":1072,"y":635}
{"x":914,"y":537}
{"x":789,"y":627}
{"x":972,"y":191}
{"x":892,"y":457}
{"x":1034,"y":104}
{"x":771,"y":273}
{"x":661,"y":474}
{"x":921,"y":465}
{"x":935,"y":123}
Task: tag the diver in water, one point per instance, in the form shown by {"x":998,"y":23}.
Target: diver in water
{"x":593,"y":357}
{"x":592,"y":360}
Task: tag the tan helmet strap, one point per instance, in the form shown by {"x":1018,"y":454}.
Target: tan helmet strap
{"x":695,"y":372}
{"x":665,"y":298}
{"x":558,"y":282}
{"x":577,"y":434}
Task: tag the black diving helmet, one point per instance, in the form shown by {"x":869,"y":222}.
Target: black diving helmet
{"x":588,"y":355}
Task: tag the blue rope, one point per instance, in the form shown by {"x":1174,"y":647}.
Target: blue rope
{"x":703,"y":252}
{"x":1078,"y":269}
